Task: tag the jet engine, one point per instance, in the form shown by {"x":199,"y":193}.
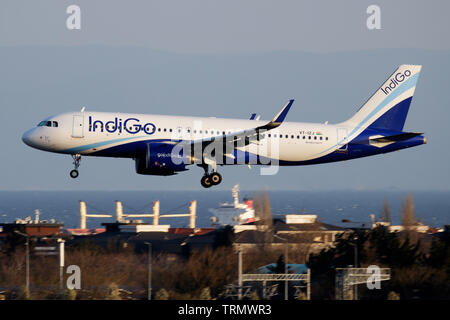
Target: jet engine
{"x":162,"y":159}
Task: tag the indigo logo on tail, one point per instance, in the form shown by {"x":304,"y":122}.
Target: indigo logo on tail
{"x":395,"y":81}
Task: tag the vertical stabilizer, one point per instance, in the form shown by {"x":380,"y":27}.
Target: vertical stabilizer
{"x":388,"y":107}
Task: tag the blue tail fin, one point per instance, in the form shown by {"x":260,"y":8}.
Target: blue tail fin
{"x":395,"y":118}
{"x":389,"y":105}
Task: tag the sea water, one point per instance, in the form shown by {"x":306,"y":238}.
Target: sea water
{"x":332,"y":207}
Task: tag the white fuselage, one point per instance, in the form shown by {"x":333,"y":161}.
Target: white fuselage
{"x":89,"y":133}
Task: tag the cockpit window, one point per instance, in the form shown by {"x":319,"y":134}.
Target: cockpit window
{"x":47,"y":124}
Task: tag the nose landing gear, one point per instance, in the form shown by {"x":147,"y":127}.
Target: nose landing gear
{"x":76,"y":162}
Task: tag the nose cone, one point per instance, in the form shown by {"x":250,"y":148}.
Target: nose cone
{"x":29,"y":139}
{"x":26,"y":137}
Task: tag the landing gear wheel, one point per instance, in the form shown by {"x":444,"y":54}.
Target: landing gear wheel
{"x":74,"y":174}
{"x":76,"y":162}
{"x":206,"y":181}
{"x":216,"y":178}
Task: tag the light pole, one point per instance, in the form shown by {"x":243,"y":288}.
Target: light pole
{"x":285,"y":264}
{"x":355,"y":287}
{"x":61,"y":266}
{"x":239,"y":273}
{"x":27,"y":259}
{"x":355,"y":246}
{"x":149,"y":284}
{"x":355,"y":256}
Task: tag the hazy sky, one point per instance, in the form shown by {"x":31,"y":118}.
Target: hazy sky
{"x":224,"y":59}
{"x":232,"y":26}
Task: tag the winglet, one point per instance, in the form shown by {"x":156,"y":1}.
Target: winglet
{"x":279,"y":118}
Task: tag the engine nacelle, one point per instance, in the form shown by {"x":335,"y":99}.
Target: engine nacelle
{"x":160,"y":158}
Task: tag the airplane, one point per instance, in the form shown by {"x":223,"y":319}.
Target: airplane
{"x":167,"y":145}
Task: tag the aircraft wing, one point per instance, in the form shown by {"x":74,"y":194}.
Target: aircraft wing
{"x":245,"y":137}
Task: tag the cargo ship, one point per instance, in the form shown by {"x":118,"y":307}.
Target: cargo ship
{"x":233,"y":213}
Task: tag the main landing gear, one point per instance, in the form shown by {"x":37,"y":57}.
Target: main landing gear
{"x":76,"y":162}
{"x":210,"y":179}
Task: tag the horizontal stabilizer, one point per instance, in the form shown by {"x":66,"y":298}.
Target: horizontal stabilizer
{"x":397,"y":137}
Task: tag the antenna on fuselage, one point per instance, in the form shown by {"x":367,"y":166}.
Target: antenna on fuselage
{"x":82,"y":109}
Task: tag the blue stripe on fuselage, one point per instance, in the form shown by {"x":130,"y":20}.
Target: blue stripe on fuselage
{"x":357,"y":148}
{"x":96,"y":145}
{"x":127,"y":150}
{"x":360,"y":147}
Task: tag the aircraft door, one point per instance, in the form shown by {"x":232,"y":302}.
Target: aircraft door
{"x":342,"y":139}
{"x":78,"y":126}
